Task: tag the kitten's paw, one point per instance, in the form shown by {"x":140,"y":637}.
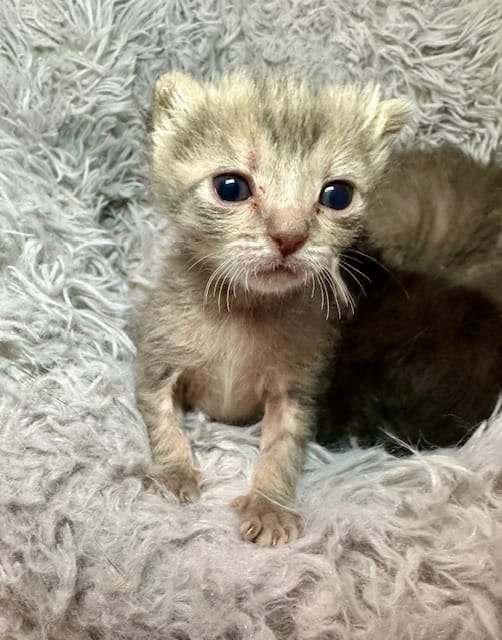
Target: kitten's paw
{"x":266,"y":523}
{"x":185,"y":484}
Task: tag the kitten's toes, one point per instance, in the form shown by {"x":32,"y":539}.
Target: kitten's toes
{"x":184,"y":484}
{"x":266,"y":523}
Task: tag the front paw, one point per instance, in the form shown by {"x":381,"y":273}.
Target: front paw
{"x":184,"y":483}
{"x":265,"y":522}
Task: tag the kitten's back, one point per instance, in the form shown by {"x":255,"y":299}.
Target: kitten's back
{"x":439,"y":213}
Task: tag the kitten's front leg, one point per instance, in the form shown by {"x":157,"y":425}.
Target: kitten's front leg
{"x":267,"y":514}
{"x":163,"y":413}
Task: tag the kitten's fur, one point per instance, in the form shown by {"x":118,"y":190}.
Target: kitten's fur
{"x":439,"y":213}
{"x":216,"y":333}
{"x":422,"y":358}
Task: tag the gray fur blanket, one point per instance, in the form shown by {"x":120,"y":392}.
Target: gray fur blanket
{"x":394,"y":548}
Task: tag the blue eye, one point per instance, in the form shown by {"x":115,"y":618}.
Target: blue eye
{"x":337,"y":195}
{"x":231,"y":187}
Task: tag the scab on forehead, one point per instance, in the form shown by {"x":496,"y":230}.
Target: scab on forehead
{"x":253,"y":159}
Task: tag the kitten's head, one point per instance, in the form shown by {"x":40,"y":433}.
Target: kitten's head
{"x":266,"y":179}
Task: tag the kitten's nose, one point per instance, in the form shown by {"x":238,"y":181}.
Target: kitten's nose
{"x":289,"y":242}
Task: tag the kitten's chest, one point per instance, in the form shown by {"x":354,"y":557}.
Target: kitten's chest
{"x":245,"y":357}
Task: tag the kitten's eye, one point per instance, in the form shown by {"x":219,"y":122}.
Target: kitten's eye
{"x":231,"y":187}
{"x":337,"y":195}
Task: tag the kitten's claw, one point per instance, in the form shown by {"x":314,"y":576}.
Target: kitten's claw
{"x":185,"y":497}
{"x":184,"y":484}
{"x":266,"y":523}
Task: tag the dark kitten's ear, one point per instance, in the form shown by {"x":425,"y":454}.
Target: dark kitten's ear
{"x":391,"y":117}
{"x":174,"y":93}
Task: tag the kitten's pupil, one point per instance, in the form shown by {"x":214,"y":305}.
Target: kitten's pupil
{"x":337,"y":195}
{"x":231,"y":187}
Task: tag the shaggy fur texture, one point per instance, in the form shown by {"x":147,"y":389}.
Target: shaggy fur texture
{"x":402,"y":549}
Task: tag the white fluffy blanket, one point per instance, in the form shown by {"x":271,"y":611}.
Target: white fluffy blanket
{"x":394,"y":549}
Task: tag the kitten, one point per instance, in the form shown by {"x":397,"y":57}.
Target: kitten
{"x":265,"y":183}
{"x":422,"y":357}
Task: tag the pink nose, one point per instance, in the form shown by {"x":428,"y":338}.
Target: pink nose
{"x":289,"y":242}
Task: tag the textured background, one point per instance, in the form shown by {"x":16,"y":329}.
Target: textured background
{"x":401,"y":549}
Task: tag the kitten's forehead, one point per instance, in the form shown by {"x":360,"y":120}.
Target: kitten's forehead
{"x":293,"y":117}
{"x":289,"y":115}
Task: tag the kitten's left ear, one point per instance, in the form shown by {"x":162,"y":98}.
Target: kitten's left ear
{"x":392,"y":116}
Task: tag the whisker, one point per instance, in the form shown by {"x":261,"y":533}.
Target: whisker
{"x":361,"y":273}
{"x":327,"y":296}
{"x":338,"y":285}
{"x":331,"y":282}
{"x":226,"y":278}
{"x":229,"y":287}
{"x":212,"y":277}
{"x":321,"y":290}
{"x":348,"y":256}
{"x":346,"y":268}
{"x":313,"y":286}
{"x":206,"y":257}
{"x":246,"y":276}
{"x":386,"y":269}
{"x":221,"y":282}
{"x":324,"y":291}
{"x":323,"y":286}
{"x":234,"y":279}
{"x":208,"y":284}
{"x":366,"y":255}
{"x":348,"y":296}
{"x":237,"y":270}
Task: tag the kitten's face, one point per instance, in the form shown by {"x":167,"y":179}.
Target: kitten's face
{"x":266,"y":179}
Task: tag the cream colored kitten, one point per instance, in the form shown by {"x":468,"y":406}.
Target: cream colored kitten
{"x":264,"y":182}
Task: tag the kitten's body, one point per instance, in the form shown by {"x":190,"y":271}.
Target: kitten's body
{"x":422,"y":357}
{"x":238,"y":324}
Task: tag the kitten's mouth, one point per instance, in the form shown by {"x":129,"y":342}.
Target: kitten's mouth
{"x":279,"y":267}
{"x":276,"y":269}
{"x":277,"y":275}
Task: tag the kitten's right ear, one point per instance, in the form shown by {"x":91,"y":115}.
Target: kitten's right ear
{"x":174,"y":93}
{"x":393,"y":115}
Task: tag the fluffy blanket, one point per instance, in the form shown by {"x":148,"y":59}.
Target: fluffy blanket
{"x":394,"y":548}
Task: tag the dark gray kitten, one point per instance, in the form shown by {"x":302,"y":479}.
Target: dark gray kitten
{"x":422,"y":356}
